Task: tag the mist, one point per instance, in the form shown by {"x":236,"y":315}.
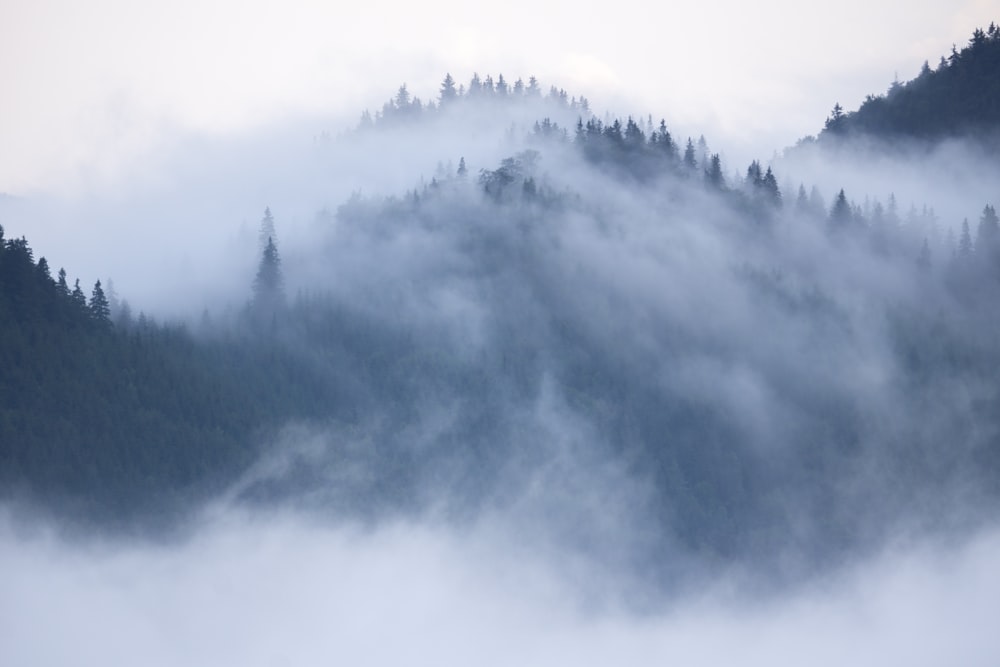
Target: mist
{"x":572,"y":402}
{"x":259,"y":591}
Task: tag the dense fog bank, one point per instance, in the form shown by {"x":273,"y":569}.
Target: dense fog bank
{"x":257,"y":590}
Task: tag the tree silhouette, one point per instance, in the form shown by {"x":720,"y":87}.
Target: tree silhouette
{"x":100,"y":309}
{"x":448,"y":91}
{"x":266,"y":228}
{"x":269,"y":284}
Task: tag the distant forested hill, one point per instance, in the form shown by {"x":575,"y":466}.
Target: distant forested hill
{"x":960,"y":96}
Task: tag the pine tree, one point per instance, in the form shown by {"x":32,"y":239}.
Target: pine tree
{"x":988,"y":232}
{"x":713,"y":175}
{"x":835,"y":123}
{"x":100,"y":310}
{"x":269,"y":284}
{"x":802,"y":201}
{"x":78,"y":297}
{"x":769,"y":186}
{"x":841,"y":213}
{"x":448,"y":92}
{"x":462,"y":169}
{"x":689,"y":159}
{"x":266,"y":230}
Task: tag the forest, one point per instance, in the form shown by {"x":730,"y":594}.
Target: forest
{"x":608,"y":309}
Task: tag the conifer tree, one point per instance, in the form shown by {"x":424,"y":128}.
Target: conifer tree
{"x":100,"y":310}
{"x":714,"y":172}
{"x":269,"y":284}
{"x":266,"y":230}
{"x":689,"y":159}
{"x":841,"y":213}
{"x":448,"y":92}
{"x":78,"y":297}
{"x":965,"y":241}
{"x":988,"y":232}
{"x":772,"y":193}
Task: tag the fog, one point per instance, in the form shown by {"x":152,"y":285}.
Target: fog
{"x":76,"y":104}
{"x":951,"y":176}
{"x":584,"y":411}
{"x":271,"y":590}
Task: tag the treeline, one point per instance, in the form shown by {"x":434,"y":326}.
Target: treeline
{"x":404,"y":106}
{"x":960,"y":96}
{"x":128,"y":418}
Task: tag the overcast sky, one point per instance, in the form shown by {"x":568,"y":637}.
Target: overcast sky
{"x":91,"y":88}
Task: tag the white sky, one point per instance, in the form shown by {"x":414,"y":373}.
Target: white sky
{"x":87,"y":87}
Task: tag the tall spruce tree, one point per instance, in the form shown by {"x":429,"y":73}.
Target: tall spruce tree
{"x":100,"y":309}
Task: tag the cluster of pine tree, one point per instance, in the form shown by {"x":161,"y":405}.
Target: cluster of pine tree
{"x":404,"y":106}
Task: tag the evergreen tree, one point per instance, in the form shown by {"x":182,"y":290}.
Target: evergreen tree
{"x":689,"y":159}
{"x":665,"y":142}
{"x":448,"y":92}
{"x":266,"y":230}
{"x":713,"y":175}
{"x":100,"y":309}
{"x":269,"y":284}
{"x":802,"y":201}
{"x":42,"y":269}
{"x":965,"y":241}
{"x":78,"y":297}
{"x":61,"y":282}
{"x":841,"y":214}
{"x":402,"y":98}
{"x":769,"y":185}
{"x":462,"y":169}
{"x":988,"y":232}
{"x":835,"y":124}
{"x":475,"y":85}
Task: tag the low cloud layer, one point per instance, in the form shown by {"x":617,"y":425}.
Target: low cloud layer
{"x":255,"y":590}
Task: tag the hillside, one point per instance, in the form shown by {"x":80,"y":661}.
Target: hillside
{"x":601,"y":318}
{"x":960,"y":97}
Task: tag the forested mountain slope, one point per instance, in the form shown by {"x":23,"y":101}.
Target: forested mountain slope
{"x":959,"y":97}
{"x":602,"y":328}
